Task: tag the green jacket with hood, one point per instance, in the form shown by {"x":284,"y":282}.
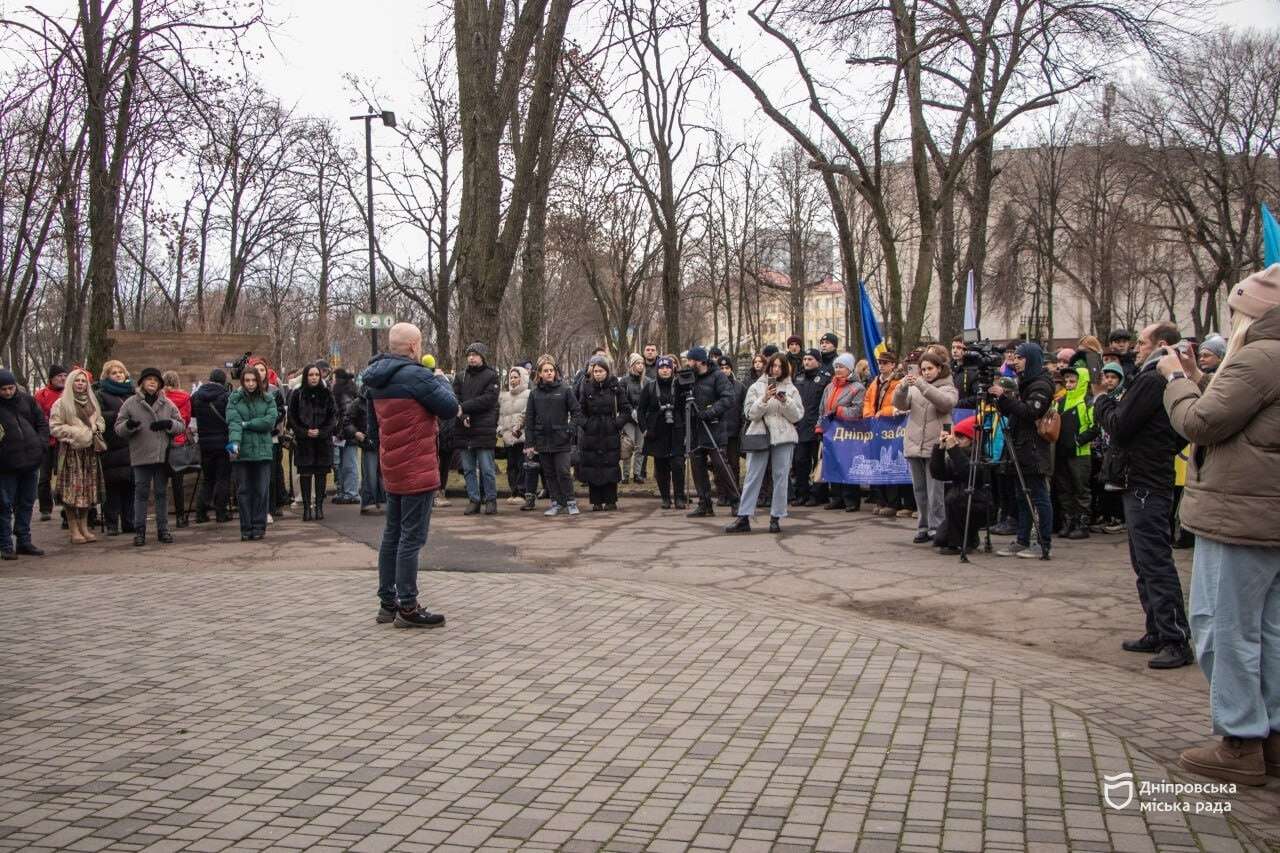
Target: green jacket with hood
{"x":1077,"y":416}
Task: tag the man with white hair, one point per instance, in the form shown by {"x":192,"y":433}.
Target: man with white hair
{"x":403,"y":402}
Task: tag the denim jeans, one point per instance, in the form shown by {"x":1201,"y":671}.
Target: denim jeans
{"x":408,"y":519}
{"x":347,"y":478}
{"x":1235,"y":619}
{"x":1038,"y":486}
{"x":17,"y":497}
{"x":371,"y":491}
{"x":483,"y":487}
{"x":145,"y":478}
{"x":930,"y":494}
{"x":253,"y":495}
{"x":757,"y":461}
{"x":1146,"y":514}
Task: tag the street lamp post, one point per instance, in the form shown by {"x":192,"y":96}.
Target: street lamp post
{"x":388,"y":119}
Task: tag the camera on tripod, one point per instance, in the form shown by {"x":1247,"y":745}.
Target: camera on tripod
{"x":685,"y":377}
{"x":984,"y":357}
{"x":237,"y":367}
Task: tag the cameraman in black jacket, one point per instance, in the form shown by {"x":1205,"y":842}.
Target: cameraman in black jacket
{"x":964,"y":376}
{"x":1138,"y":425}
{"x":1033,"y":401}
{"x":712,"y":394}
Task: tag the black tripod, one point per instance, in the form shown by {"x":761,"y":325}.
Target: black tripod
{"x":690,"y":405}
{"x":975,"y":461}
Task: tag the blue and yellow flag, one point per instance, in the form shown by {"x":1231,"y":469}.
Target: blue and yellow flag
{"x":1270,"y":238}
{"x":872,"y":343}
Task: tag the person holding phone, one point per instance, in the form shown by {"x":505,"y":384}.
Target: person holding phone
{"x":251,"y":416}
{"x":927,"y":395}
{"x":772,"y":408}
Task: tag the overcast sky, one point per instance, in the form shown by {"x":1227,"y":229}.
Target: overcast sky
{"x":319,"y":41}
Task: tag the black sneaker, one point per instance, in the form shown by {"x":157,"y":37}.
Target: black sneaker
{"x":1146,"y":644}
{"x":386,"y":615}
{"x":8,"y":555}
{"x":921,"y":537}
{"x":530,"y":503}
{"x":741,"y":524}
{"x":139,"y":539}
{"x":45,"y":516}
{"x":702,"y":510}
{"x":418,"y":618}
{"x":491,"y":507}
{"x":1172,"y":656}
{"x":165,"y":537}
{"x":948,"y":551}
{"x":30,"y":550}
{"x":774,"y":525}
{"x":666,"y":504}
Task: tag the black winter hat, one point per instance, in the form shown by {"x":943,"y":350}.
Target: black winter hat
{"x":57,"y":370}
{"x":715,"y":353}
{"x":218,"y":376}
{"x":342,"y":374}
{"x":7,"y":377}
{"x":479,"y":349}
{"x":830,"y":337}
{"x":817,"y":354}
{"x":769,"y":350}
{"x":724,"y":361}
{"x":1120,"y":335}
{"x":150,"y":371}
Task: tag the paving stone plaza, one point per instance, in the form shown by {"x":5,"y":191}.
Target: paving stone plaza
{"x":625,"y":682}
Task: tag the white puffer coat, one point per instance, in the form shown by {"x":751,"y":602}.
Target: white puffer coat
{"x":511,"y":408}
{"x":779,"y":416}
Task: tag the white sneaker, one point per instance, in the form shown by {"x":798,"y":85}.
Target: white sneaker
{"x":515,"y":501}
{"x":554,"y":509}
{"x":443,"y":502}
{"x":271,"y":519}
{"x":1031,"y":554}
{"x":573,"y":507}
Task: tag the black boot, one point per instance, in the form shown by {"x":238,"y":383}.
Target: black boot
{"x":530,"y":501}
{"x":835,"y":503}
{"x":774,"y":525}
{"x":491,"y":507}
{"x":682,"y":502}
{"x":1080,"y":528}
{"x":702,"y":510}
{"x":202,"y":516}
{"x":181,"y":521}
{"x":1172,"y":656}
{"x":306,"y":512}
{"x":741,"y":524}
{"x":319,"y":513}
{"x":139,"y":536}
{"x":222,"y":516}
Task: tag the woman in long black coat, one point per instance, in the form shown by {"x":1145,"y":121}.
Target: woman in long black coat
{"x":662,"y":405}
{"x":114,"y":389}
{"x":605,"y":412}
{"x":313,"y":418}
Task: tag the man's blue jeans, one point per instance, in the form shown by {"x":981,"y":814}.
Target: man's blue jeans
{"x":371,"y":491}
{"x":485,"y":486}
{"x":347,"y":481}
{"x":1038,"y":487}
{"x":408,"y":518}
{"x":17,"y":497}
{"x":1235,"y":619}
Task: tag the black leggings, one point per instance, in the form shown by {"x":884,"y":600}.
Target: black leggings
{"x":669,"y":472}
{"x":313,"y":484}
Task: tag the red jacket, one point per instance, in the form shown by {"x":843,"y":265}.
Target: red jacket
{"x":182,"y":400}
{"x":404,"y":400}
{"x":45,"y":398}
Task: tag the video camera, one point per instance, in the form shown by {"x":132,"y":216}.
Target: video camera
{"x":984,"y":357}
{"x":685,"y":377}
{"x":237,"y":367}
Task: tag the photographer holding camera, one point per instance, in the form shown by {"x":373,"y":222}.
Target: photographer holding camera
{"x":661,"y":412}
{"x":712,"y":394}
{"x":1140,"y":429}
{"x":1031,"y":451}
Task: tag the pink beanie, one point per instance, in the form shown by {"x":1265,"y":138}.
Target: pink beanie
{"x":1065,"y":354}
{"x":1257,"y":294}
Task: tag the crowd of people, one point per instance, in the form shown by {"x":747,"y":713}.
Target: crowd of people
{"x":1169,"y":440}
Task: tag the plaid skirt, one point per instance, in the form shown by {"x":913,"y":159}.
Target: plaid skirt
{"x":77,"y":478}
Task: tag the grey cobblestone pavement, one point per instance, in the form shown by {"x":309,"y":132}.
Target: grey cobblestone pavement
{"x":210,"y":710}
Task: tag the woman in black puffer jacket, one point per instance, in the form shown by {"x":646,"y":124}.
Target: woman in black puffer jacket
{"x":605,"y":411}
{"x":114,"y":389}
{"x":313,"y":418}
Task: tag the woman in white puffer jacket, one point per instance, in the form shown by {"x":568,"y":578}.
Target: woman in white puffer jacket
{"x":512,"y":403}
{"x":772,"y":409}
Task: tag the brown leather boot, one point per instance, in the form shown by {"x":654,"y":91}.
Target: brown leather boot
{"x":1271,"y":754}
{"x":1231,"y":759}
{"x":73,"y":526}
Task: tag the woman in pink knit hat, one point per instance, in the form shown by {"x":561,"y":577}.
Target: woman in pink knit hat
{"x":1232,"y":500}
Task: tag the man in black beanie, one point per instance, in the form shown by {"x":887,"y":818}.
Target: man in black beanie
{"x":829,"y":348}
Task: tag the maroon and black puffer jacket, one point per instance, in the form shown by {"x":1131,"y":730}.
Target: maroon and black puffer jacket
{"x":404,"y":399}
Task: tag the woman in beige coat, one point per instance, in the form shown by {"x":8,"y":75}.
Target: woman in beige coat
{"x":927,"y":395}
{"x":1232,"y":503}
{"x":76,"y":422}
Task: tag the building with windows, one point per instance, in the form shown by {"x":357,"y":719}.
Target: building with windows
{"x":824,"y":311}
